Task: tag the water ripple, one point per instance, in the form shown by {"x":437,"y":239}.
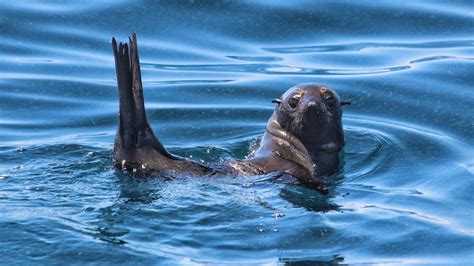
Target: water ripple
{"x":279,"y":69}
{"x":210,"y":69}
{"x":349,"y":47}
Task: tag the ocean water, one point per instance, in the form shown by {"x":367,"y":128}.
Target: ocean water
{"x":210,"y":70}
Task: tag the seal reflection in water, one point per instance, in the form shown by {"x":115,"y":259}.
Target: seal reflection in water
{"x":303,"y":137}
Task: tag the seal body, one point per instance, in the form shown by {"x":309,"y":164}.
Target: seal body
{"x":303,"y":136}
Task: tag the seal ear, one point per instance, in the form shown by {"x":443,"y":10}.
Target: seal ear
{"x":277,"y":101}
{"x":345,"y":102}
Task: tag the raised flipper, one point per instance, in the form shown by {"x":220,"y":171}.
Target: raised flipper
{"x":135,"y":144}
{"x":125,"y":134}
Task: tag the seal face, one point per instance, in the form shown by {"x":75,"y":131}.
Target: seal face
{"x":312,"y":113}
{"x":303,"y":136}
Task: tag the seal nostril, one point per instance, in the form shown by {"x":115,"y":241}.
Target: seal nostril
{"x":315,"y":106}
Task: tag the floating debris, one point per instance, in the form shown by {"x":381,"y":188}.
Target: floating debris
{"x":21,"y":149}
{"x":278,"y":215}
{"x":246,"y":185}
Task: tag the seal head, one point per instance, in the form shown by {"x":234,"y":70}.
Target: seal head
{"x":312,"y":113}
{"x":308,"y":119}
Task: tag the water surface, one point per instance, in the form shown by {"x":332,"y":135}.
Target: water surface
{"x":210,"y":70}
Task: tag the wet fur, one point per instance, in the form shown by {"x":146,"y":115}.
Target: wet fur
{"x":285,"y":148}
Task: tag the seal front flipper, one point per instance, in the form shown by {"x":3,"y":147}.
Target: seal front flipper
{"x":135,"y":144}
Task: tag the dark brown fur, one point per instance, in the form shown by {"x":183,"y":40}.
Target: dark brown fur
{"x":303,"y":137}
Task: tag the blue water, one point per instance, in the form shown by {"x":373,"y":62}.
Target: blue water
{"x":210,"y":70}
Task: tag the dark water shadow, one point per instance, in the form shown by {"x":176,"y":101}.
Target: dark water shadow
{"x":114,"y":222}
{"x":318,"y":261}
{"x":312,"y":200}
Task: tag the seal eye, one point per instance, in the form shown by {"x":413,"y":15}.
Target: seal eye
{"x":293,"y":102}
{"x":330,"y":101}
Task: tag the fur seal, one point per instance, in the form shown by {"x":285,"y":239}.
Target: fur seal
{"x":303,"y":137}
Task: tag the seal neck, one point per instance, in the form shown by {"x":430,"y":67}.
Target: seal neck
{"x":289,"y":147}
